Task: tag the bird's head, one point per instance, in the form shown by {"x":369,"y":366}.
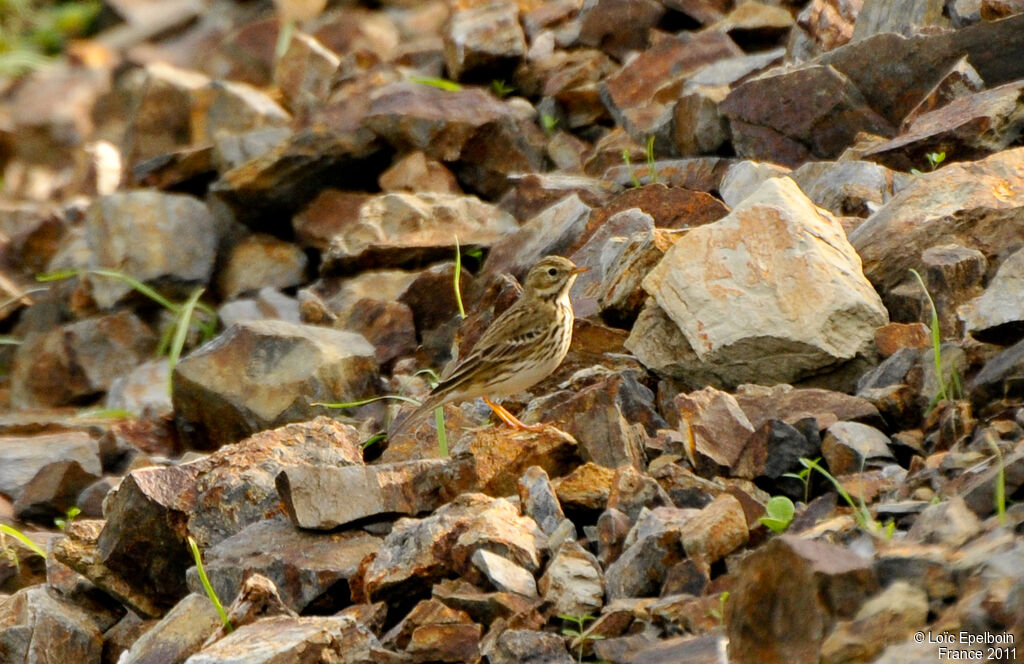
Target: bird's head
{"x":551,"y":277}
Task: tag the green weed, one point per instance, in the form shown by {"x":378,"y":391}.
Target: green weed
{"x":21,"y":537}
{"x":548,"y":123}
{"x":719,"y":613}
{"x":629,"y":167}
{"x":578,"y":632}
{"x":501,"y":89}
{"x":32,"y":32}
{"x":778,"y":513}
{"x":68,"y":519}
{"x":804,"y":477}
{"x":208,"y":587}
{"x":649,"y":154}
{"x":861,"y":513}
{"x":951,"y":389}
{"x":934,"y":159}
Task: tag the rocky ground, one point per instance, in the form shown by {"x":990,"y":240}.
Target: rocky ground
{"x":237,"y":243}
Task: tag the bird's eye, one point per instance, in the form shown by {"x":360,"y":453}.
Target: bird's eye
{"x":552,"y":271}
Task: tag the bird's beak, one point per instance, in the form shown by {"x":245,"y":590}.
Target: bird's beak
{"x":579,"y":270}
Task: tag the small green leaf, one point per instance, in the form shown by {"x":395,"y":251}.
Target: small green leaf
{"x":440,"y":83}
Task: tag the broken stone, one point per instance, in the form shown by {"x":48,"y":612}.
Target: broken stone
{"x":889,"y":617}
{"x":52,"y":491}
{"x":261,"y":261}
{"x":393,"y":229}
{"x":572,"y":582}
{"x":323,"y":498}
{"x":714,"y":427}
{"x":653,"y":545}
{"x":36,"y":625}
{"x":181,"y":226}
{"x":586,"y":487}
{"x":848,"y":187}
{"x":538,"y":500}
{"x":849,"y":446}
{"x":24,"y":457}
{"x":601,"y":25}
{"x":679,"y":284}
{"x":997,"y":315}
{"x":823,"y":583}
{"x":76,"y":362}
{"x":262,"y":374}
{"x":483,"y":40}
{"x":950,"y":523}
{"x":416,"y":172}
{"x":503,"y":574}
{"x":761,"y":132}
{"x":526,"y":646}
{"x":500,"y":456}
{"x":305,"y":72}
{"x":305,"y":568}
{"x":178,"y":634}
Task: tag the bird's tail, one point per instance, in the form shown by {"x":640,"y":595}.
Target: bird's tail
{"x":402,"y":425}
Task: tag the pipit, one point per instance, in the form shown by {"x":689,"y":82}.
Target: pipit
{"x":522,"y":347}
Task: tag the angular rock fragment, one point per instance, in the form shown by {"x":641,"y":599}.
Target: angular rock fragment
{"x":805,"y":332}
{"x":323,"y":498}
{"x":848,"y":446}
{"x":261,"y":374}
{"x":714,"y":428}
{"x":997,"y":315}
{"x":75,"y":362}
{"x":601,"y":24}
{"x":526,"y":646}
{"x":394,"y":229}
{"x":483,"y":40}
{"x":36,"y":625}
{"x":573,"y":582}
{"x":503,"y":574}
{"x":23,"y":457}
{"x":178,"y":634}
{"x":305,"y":568}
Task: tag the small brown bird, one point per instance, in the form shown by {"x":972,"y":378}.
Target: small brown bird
{"x":522,"y":347}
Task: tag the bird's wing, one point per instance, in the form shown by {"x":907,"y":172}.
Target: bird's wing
{"x":504,"y":339}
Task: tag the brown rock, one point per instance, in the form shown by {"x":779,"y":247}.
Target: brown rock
{"x":828,"y":23}
{"x":323,"y":498}
{"x":413,"y":116}
{"x":714,"y":427}
{"x":621,"y":295}
{"x":499,"y":528}
{"x":154,"y":509}
{"x":482,"y":40}
{"x":327,"y":215}
{"x":983,"y":214}
{"x":822,"y":583}
{"x":967,"y":128}
{"x":75,"y":362}
{"x":715,"y":531}
{"x":586,"y":487}
{"x":880,"y":17}
{"x":503,"y":574}
{"x":394,"y":229}
{"x":305,"y":568}
{"x":612,"y":528}
{"x":532,"y":193}
{"x":653,"y":545}
{"x":482,"y":607}
{"x":896,"y":336}
{"x":538,"y":501}
{"x":52,"y":491}
{"x":416,"y":172}
{"x":500,"y":455}
{"x":601,"y":25}
{"x":24,"y":457}
{"x":997,"y":315}
{"x":305,"y":72}
{"x":261,"y":261}
{"x":642,"y":95}
{"x":960,"y":81}
{"x":527,"y":646}
{"x":761,"y":404}
{"x":178,"y":634}
{"x":848,"y":187}
{"x":761,"y":131}
{"x":889,"y":617}
{"x":633,"y":491}
{"x":849,"y":446}
{"x":37,"y":626}
{"x":252,"y":379}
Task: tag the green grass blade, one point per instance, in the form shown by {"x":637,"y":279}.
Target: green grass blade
{"x":442,"y":433}
{"x":458,"y":275}
{"x":440,"y":83}
{"x":20,"y":536}
{"x":936,"y":338}
{"x":363,"y":402}
{"x":181,"y":327}
{"x":137,"y":285}
{"x":208,"y":587}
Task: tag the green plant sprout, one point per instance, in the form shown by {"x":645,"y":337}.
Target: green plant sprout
{"x":8,"y":340}
{"x":999,"y":495}
{"x":548,"y":123}
{"x":104,"y":414}
{"x":934,"y":159}
{"x":208,"y":587}
{"x":501,"y":89}
{"x":32,"y":32}
{"x":68,"y":519}
{"x":951,"y":390}
{"x":434,"y":82}
{"x":578,"y":632}
{"x":804,"y":477}
{"x":649,"y":154}
{"x":629,"y":167}
{"x":719,"y":613}
{"x":778,"y":513}
{"x":861,"y":513}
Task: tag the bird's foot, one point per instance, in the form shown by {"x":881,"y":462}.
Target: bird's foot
{"x":511,"y":420}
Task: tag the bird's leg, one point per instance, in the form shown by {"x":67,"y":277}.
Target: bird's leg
{"x":510,"y":419}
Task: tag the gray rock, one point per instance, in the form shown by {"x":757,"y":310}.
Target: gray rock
{"x":174,"y":240}
{"x":538,"y":500}
{"x":948,"y":522}
{"x":22,"y":457}
{"x":997,"y":315}
{"x":526,"y":646}
{"x":177,"y":635}
{"x":483,"y":39}
{"x":573,"y":582}
{"x":303,"y":566}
